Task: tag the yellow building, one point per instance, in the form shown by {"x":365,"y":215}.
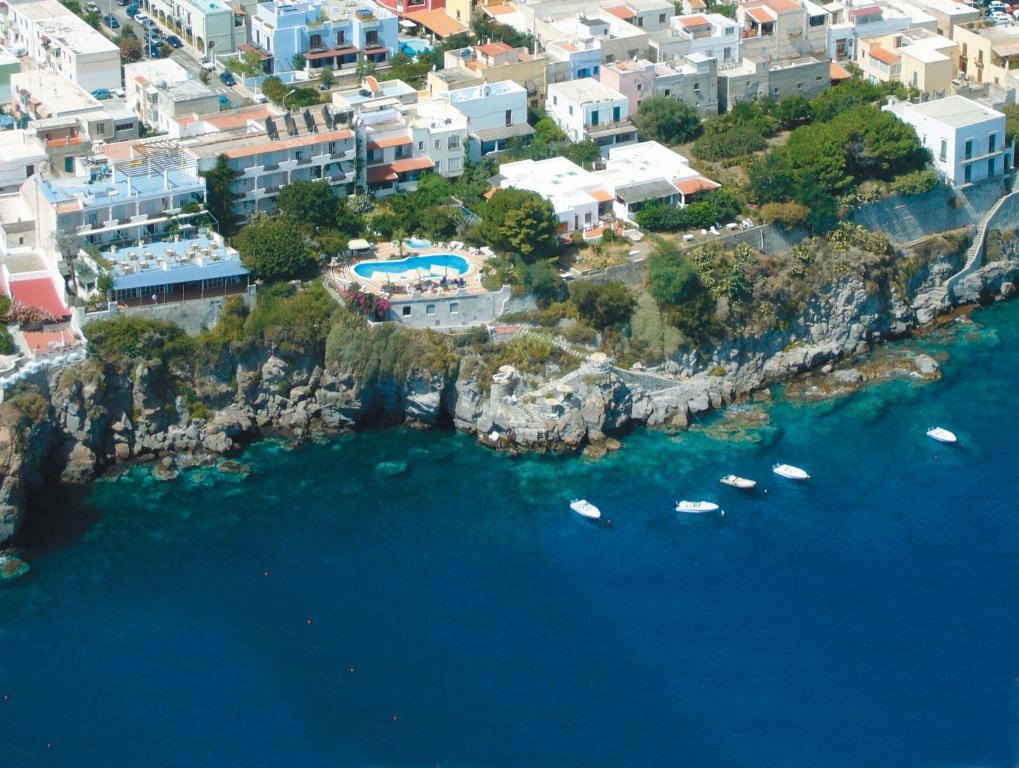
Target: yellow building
{"x":987,"y":53}
{"x":916,"y":57}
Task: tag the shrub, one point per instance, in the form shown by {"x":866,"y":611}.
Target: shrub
{"x":676,"y":286}
{"x":786,"y":215}
{"x":603,"y":305}
{"x":520,"y":221}
{"x":916,"y":182}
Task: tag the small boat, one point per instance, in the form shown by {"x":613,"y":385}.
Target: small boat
{"x":735,"y":481}
{"x":790,"y":472}
{"x":941,"y":435}
{"x":696,"y":507}
{"x":585,"y":508}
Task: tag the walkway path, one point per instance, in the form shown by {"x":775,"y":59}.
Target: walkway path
{"x":975,"y":254}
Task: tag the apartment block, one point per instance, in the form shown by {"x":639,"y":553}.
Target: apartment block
{"x":966,"y":139}
{"x":586,"y":109}
{"x":776,"y":30}
{"x":850,"y":23}
{"x":491,"y":63}
{"x":161,"y":90}
{"x":752,"y":80}
{"x":332,"y":33}
{"x":496,"y":114}
{"x":917,"y":58}
{"x":41,"y":94}
{"x":988,"y":53}
{"x":710,"y":34}
{"x":60,"y":40}
{"x":692,"y":79}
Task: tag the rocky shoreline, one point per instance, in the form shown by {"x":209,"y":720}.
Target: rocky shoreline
{"x":86,"y":418}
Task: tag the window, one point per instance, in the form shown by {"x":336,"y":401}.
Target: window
{"x":453,"y":164}
{"x":315,"y":41}
{"x":438,"y":143}
{"x":969,"y":148}
{"x":555,"y":99}
{"x":640,"y":87}
{"x":30,"y":169}
{"x":454,"y":142}
{"x":799,"y":86}
{"x":298,"y":155}
{"x":817,"y":21}
{"x":429,"y":309}
{"x":668,"y":91}
{"x":68,"y":166}
{"x":406,"y":311}
{"x":992,"y":142}
{"x":438,"y":166}
{"x":509,"y":117}
{"x":617,"y":114}
{"x":990,"y":166}
{"x":661,"y":18}
{"x":371,"y":39}
{"x":571,"y":109}
{"x":696,"y":88}
{"x":454,"y":307}
{"x":594,"y":117}
{"x":341,"y":37}
{"x":943,"y":154}
{"x":639,"y":21}
{"x":421,"y":146}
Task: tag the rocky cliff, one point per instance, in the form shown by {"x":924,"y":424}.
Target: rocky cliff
{"x":92,"y":415}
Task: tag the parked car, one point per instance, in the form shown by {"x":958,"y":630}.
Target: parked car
{"x":225,"y":103}
{"x":111,"y":22}
{"x":90,"y":8}
{"x":119,"y":93}
{"x":174,"y":41}
{"x":140,"y":17}
{"x":260,"y":98}
{"x":227,"y":77}
{"x":997,"y":5}
{"x":209,"y":66}
{"x":122,"y":2}
{"x":1000,"y":17}
{"x":102,"y":94}
{"x":132,"y":11}
{"x":154,"y":52}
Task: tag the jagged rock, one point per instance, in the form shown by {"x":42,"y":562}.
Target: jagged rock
{"x":595,"y":450}
{"x":218,"y":442}
{"x":12,"y":567}
{"x":927,"y":365}
{"x":848,"y":377}
{"x":80,"y":465}
{"x":164,"y":469}
{"x":422,"y":399}
{"x":1007,"y":290}
{"x":391,"y":468}
{"x":231,"y":467}
{"x":611,"y":444}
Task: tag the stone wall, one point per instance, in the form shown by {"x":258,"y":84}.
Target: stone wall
{"x":908,"y":219}
{"x":450,"y":311}
{"x":193,"y":315}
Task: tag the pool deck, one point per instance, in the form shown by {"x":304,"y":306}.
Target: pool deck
{"x":398,"y":287}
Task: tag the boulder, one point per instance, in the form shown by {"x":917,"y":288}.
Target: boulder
{"x":80,"y":466}
{"x":848,"y":377}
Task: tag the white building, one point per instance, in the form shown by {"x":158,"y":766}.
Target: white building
{"x":633,"y":177}
{"x":60,"y":40}
{"x":495,"y":113}
{"x":587,"y":109}
{"x":211,"y":26}
{"x":966,"y":139}
{"x":20,"y":155}
{"x":161,"y":90}
{"x":710,"y":34}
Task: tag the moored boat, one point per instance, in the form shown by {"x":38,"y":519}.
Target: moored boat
{"x":585,"y":508}
{"x":696,"y":507}
{"x":941,"y":435}
{"x":790,"y":472}
{"x":735,"y":481}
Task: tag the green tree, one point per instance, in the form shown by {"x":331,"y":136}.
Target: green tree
{"x":311,"y":203}
{"x":771,"y":179}
{"x":130,"y":47}
{"x":543,"y":281}
{"x":547,"y":132}
{"x":846,"y":95}
{"x":602,"y":306}
{"x":584,"y":153}
{"x":219,"y":195}
{"x":520,"y":221}
{"x":298,"y":61}
{"x":878,"y":144}
{"x":274,"y":249}
{"x":668,"y":120}
{"x":793,"y":110}
{"x":204,"y":76}
{"x":93,"y":19}
{"x":274,"y":89}
{"x":326,"y":78}
{"x":676,"y":285}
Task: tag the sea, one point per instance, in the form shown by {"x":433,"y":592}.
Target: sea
{"x":409,"y":598}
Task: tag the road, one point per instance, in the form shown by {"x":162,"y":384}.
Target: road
{"x":187,"y":56}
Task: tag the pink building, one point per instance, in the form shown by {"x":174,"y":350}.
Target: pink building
{"x":634,"y":79}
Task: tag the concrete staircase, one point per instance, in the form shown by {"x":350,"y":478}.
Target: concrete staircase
{"x":975,"y":253}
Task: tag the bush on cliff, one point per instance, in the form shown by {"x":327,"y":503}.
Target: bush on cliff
{"x":127,"y":338}
{"x":676,"y":285}
{"x":273,"y":248}
{"x":603,"y":306}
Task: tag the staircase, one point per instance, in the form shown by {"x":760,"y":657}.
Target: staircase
{"x":975,"y":253}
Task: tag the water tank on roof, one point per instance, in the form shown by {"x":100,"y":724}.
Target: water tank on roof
{"x":467,"y":52}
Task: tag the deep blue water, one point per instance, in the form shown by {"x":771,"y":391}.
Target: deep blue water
{"x":460,"y":615}
{"x":447,"y":260}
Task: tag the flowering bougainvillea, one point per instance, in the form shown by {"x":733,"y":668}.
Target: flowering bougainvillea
{"x":368,"y":304}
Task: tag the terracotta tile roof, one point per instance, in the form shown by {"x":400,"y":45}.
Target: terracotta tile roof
{"x":761,"y":15}
{"x":601,"y":195}
{"x":292,"y":143}
{"x":836,"y":72}
{"x":499,"y":10}
{"x":694,"y":21}
{"x":413,"y":164}
{"x":885,"y":57}
{"x":783,"y":6}
{"x":329,"y":53}
{"x":621,"y":12}
{"x":693,"y":186}
{"x":438,"y":22}
{"x":379,"y":173}
{"x":39,"y":292}
{"x":391,"y":141}
{"x":494,"y":49}
{"x":238,"y":118}
{"x":39,"y":341}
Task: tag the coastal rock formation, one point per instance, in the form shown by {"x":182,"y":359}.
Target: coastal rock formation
{"x":89,"y":416}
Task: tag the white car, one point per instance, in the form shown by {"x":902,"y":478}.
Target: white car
{"x":260,"y":98}
{"x":141,"y":18}
{"x":209,"y":66}
{"x":1000,"y":17}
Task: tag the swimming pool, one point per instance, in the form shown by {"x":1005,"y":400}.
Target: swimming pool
{"x":437,"y":264}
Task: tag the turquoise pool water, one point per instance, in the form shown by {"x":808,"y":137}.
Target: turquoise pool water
{"x":444,"y":261}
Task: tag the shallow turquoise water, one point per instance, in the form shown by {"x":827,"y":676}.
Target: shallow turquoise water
{"x":328,"y":611}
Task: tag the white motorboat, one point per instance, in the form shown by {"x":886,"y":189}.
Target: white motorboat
{"x":585,"y":508}
{"x":696,"y":507}
{"x":942,"y":435}
{"x":790,"y":472}
{"x":735,"y":481}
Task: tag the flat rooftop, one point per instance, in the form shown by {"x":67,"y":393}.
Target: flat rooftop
{"x":57,"y":94}
{"x":175,"y":261}
{"x":956,"y":111}
{"x":586,"y":90}
{"x":58,"y":23}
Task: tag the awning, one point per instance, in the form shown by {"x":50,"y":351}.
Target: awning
{"x":379,"y":173}
{"x":39,"y":292}
{"x":249,"y":48}
{"x":836,"y":72}
{"x":357,"y":244}
{"x":503,"y":132}
{"x":645,"y":190}
{"x":407,"y":24}
{"x":1006,"y":49}
{"x":389,"y":141}
{"x":760,"y":15}
{"x":413,"y":164}
{"x":695,"y":185}
{"x":437,"y":22}
{"x":612,"y":129}
{"x":601,"y":195}
{"x":329,"y":53}
{"x":376,"y":49}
